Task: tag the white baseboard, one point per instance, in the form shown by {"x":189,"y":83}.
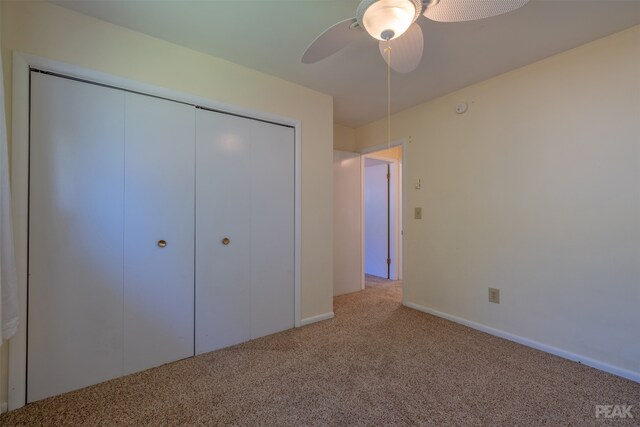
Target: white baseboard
{"x":3,"y":407}
{"x":318,"y":318}
{"x":615,"y":370}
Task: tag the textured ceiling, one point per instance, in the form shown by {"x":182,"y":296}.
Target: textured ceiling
{"x":272,"y":35}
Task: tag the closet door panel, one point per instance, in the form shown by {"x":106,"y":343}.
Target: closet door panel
{"x":75,"y":235}
{"x":272,"y":229}
{"x":159,"y":206}
{"x":223,"y":210}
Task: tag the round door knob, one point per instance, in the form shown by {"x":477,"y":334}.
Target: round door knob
{"x":226,"y":241}
{"x":162,"y":243}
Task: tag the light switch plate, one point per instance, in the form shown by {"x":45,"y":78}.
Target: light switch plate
{"x":418,"y":213}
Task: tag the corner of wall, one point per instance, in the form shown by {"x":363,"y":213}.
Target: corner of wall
{"x":344,"y":138}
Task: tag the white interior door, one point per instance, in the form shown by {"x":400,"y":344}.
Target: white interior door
{"x":159,"y":232}
{"x":376,"y":217}
{"x":347,"y":223}
{"x":245,"y":193}
{"x":75,"y":235}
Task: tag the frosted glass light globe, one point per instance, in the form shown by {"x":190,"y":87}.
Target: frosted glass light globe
{"x":387,"y":19}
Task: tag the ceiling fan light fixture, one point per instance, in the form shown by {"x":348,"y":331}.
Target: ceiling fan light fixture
{"x":388,"y":19}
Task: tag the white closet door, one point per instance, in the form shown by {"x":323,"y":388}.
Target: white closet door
{"x":272,"y":229}
{"x":75,"y":235}
{"x":245,"y":192}
{"x":159,"y":206}
{"x":223,"y":210}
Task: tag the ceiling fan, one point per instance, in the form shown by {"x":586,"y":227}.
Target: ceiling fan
{"x":393,"y":23}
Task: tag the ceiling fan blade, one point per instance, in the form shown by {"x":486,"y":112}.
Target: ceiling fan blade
{"x":406,"y":50}
{"x":332,"y":40}
{"x":470,"y":10}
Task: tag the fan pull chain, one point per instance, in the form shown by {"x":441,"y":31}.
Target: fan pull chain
{"x":388,"y":51}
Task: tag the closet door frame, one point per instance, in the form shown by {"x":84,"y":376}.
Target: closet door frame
{"x":22,"y":64}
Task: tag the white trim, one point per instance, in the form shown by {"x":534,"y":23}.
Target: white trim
{"x":375,"y":156}
{"x":362,"y":228}
{"x":74,"y":71}
{"x":20,"y":178}
{"x":404,"y":212}
{"x":3,"y":407}
{"x":615,"y":370}
{"x":385,"y":146}
{"x":20,"y":186}
{"x":400,"y":214}
{"x":298,"y":223}
{"x":313,"y":319}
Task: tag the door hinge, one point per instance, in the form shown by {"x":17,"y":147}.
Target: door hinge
{"x":388,"y":261}
{"x":388,"y":176}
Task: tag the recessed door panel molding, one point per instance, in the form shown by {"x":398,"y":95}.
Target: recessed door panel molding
{"x":75,"y":235}
{"x":159,"y":232}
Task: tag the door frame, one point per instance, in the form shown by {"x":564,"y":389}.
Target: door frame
{"x":401,"y":170}
{"x":391,"y":204}
{"x":22,"y":63}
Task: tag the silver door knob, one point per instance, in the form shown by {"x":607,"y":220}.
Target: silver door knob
{"x":226,"y":241}
{"x":162,"y":243}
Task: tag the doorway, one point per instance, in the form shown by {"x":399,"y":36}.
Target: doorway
{"x":382,"y":215}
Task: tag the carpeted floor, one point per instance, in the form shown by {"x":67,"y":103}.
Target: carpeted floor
{"x":371,"y":280}
{"x":375,"y":363}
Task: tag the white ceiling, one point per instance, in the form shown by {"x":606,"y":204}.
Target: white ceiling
{"x":272,"y":35}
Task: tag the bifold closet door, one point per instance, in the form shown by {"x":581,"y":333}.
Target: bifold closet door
{"x":245,"y":223}
{"x":158,"y":231}
{"x":75,"y":235}
{"x":272,"y":228}
{"x":113,"y":209}
{"x":111,"y":234}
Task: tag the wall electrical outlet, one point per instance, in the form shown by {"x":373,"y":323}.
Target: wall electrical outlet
{"x":417,"y":213}
{"x":494,"y":295}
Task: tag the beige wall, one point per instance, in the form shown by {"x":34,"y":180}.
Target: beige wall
{"x":534,"y":190}
{"x":52,"y":32}
{"x":344,"y":138}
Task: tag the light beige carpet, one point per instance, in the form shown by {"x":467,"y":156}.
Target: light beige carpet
{"x":375,"y":363}
{"x":371,"y":280}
